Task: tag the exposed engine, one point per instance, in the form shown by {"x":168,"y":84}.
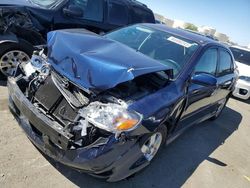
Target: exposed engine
{"x":87,"y":115}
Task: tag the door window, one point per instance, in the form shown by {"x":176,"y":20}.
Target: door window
{"x":225,"y":64}
{"x":142,"y":16}
{"x":207,"y":62}
{"x":117,"y":13}
{"x":93,"y":9}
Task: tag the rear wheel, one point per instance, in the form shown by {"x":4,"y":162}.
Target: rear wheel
{"x":11,"y":54}
{"x":220,"y":108}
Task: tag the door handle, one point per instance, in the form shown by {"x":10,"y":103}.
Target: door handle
{"x":227,"y":84}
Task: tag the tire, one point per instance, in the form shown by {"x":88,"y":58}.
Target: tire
{"x":220,"y":109}
{"x":161,"y":131}
{"x":21,"y":51}
{"x":2,"y":76}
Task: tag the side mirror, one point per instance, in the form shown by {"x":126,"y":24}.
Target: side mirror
{"x":204,"y":79}
{"x":73,"y":11}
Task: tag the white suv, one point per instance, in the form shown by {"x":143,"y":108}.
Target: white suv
{"x":242,"y":59}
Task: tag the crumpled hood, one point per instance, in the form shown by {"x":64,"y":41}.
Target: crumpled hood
{"x":95,"y":62}
{"x":244,"y":70}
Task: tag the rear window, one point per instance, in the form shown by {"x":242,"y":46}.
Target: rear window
{"x":142,"y":16}
{"x":93,"y":9}
{"x":117,"y":13}
{"x":240,"y":55}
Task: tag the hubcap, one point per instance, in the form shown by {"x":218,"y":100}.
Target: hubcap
{"x":10,"y":60}
{"x":151,"y":146}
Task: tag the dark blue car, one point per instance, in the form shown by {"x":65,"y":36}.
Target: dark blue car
{"x":105,"y":105}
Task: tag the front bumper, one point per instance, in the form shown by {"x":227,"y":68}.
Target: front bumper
{"x":112,"y":160}
{"x":242,"y":89}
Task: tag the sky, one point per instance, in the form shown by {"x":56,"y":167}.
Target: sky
{"x":231,"y":17}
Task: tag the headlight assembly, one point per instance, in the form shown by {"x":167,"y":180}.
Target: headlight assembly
{"x":111,"y":117}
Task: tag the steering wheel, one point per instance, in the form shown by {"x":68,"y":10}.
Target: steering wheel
{"x":175,"y":64}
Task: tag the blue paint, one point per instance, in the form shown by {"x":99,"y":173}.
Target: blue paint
{"x":95,"y":62}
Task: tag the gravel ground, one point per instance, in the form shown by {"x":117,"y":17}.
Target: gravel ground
{"x":212,"y":154}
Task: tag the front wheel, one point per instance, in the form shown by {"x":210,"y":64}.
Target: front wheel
{"x":151,"y":144}
{"x":11,"y":54}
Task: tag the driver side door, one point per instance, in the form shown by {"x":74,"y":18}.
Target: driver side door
{"x":80,"y":14}
{"x":201,"y":99}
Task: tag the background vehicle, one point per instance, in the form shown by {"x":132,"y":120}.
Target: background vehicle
{"x":242,"y":60}
{"x":24,"y":24}
{"x":107,"y":107}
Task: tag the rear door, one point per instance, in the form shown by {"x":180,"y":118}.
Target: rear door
{"x":225,"y":74}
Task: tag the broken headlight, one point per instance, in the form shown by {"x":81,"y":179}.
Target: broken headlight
{"x":111,"y":117}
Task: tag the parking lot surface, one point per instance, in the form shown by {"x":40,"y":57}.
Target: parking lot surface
{"x":212,"y":154}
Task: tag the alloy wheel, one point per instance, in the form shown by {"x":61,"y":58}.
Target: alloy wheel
{"x":221,"y":106}
{"x":152,"y":145}
{"x":10,"y":60}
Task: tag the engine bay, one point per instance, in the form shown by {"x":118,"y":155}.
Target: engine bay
{"x":89,"y":116}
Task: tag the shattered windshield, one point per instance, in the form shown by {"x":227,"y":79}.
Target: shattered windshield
{"x":46,"y":3}
{"x":164,"y":47}
{"x":242,"y":56}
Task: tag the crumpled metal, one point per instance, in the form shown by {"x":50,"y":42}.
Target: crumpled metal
{"x":95,"y":62}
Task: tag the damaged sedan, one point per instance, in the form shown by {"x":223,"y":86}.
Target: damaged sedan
{"x":106,"y":105}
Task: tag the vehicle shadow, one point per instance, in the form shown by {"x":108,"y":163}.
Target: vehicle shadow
{"x":3,"y":80}
{"x":177,"y":162}
{"x":3,"y":83}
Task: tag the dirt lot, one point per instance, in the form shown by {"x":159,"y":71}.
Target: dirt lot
{"x":212,"y":154}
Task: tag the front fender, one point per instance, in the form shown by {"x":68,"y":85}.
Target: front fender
{"x":10,"y":37}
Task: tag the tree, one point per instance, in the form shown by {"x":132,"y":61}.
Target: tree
{"x":191,"y":27}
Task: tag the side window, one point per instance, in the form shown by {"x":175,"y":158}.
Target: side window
{"x":207,"y":62}
{"x":225,"y":63}
{"x":93,"y":9}
{"x":142,"y":16}
{"x":117,"y":13}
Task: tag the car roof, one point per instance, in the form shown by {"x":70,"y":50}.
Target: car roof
{"x":200,"y":39}
{"x":135,"y":2}
{"x":241,"y":48}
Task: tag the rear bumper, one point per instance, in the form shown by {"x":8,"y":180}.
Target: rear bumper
{"x":112,"y":160}
{"x":242,"y":90}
